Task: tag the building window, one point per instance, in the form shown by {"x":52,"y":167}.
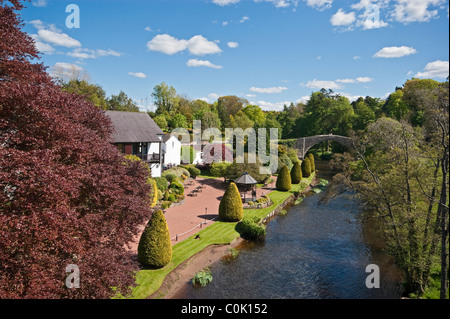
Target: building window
{"x":121,"y":148}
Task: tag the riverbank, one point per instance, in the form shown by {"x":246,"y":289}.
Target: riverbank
{"x":180,"y":276}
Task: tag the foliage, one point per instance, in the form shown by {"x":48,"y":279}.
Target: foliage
{"x":219,"y":169}
{"x":235,"y":170}
{"x":121,"y":103}
{"x":161,"y":183}
{"x":251,"y":229}
{"x":230,"y":207}
{"x":177,"y":187}
{"x":296,"y":174}
{"x":153,"y":193}
{"x":169,"y":175}
{"x":68,"y":196}
{"x":306,"y":167}
{"x":91,"y":92}
{"x":187,"y":154}
{"x":203,"y":277}
{"x":284,"y":183}
{"x":312,"y":162}
{"x":155,"y":247}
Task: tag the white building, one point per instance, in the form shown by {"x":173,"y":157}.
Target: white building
{"x":137,"y":134}
{"x":171,"y":150}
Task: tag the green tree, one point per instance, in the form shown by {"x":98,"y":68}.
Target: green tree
{"x":240,"y":120}
{"x":230,"y":207}
{"x":255,"y":114}
{"x":229,"y":105}
{"x":306,"y":167}
{"x":210,"y":120}
{"x":155,"y":247}
{"x":296,"y":173}
{"x":395,"y":106}
{"x":325,"y":113}
{"x":161,"y":121}
{"x":284,"y":183}
{"x":178,"y":121}
{"x":122,"y":103}
{"x":92,"y":92}
{"x":165,"y":98}
{"x":364,"y":115}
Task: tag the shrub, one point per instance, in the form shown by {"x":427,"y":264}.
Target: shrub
{"x":230,"y":208}
{"x":296,"y":173}
{"x":171,"y":198}
{"x":312,"y":162}
{"x":194,"y":171}
{"x":155,"y":248}
{"x":166,"y":204}
{"x":154,"y":193}
{"x":160,"y":195}
{"x":169,"y":175}
{"x":203,"y":277}
{"x":250,"y":229}
{"x":306,"y":168}
{"x":161,"y":183}
{"x":284,"y":183}
{"x":177,"y":187}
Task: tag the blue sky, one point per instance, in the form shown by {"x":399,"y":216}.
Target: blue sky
{"x":270,"y":52}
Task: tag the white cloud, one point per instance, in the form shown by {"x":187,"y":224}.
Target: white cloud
{"x":139,"y":75}
{"x":395,"y":52}
{"x":270,"y":106}
{"x":197,"y":63}
{"x":63,"y":70}
{"x":436,"y":69}
{"x":284,"y":3}
{"x":39,"y":3}
{"x":82,"y":54}
{"x":167,"y":44}
{"x":223,"y":3}
{"x":341,"y":18}
{"x":319,"y":4}
{"x":316,"y":84}
{"x":245,"y":18}
{"x":60,"y":39}
{"x":407,"y":11}
{"x":270,"y":90}
{"x":233,"y":45}
{"x":148,"y":29}
{"x":197,"y":45}
{"x":362,"y":79}
{"x":357,"y":57}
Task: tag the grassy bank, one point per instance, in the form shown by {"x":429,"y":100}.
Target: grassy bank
{"x":220,"y":233}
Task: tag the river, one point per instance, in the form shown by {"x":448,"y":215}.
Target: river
{"x":316,"y":251}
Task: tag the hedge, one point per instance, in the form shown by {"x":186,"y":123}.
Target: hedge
{"x":306,"y":168}
{"x":312,"y":162}
{"x":284,"y":183}
{"x":155,"y":248}
{"x":230,"y":207}
{"x":250,"y":229}
{"x":296,"y":173}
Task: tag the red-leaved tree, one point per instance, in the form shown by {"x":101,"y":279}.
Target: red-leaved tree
{"x":66,"y":195}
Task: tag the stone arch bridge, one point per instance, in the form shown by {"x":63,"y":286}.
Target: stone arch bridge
{"x":304,"y":144}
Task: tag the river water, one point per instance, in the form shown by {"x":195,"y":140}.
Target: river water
{"x":316,"y":251}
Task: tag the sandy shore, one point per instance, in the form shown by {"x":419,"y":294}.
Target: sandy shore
{"x":182,"y":275}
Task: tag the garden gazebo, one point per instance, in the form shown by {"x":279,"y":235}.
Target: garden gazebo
{"x":249,"y":183}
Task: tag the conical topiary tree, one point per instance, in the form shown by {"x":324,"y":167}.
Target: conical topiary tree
{"x":155,"y":248}
{"x":284,"y":183}
{"x":312,"y":161}
{"x":231,"y":208}
{"x":296,"y":173}
{"x":306,"y":168}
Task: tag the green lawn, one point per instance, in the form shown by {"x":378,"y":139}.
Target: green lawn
{"x":149,"y":281}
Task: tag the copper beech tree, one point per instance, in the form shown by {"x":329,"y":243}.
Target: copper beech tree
{"x":66,"y":195}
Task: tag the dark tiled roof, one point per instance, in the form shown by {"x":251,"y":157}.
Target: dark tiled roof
{"x":133,"y":127}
